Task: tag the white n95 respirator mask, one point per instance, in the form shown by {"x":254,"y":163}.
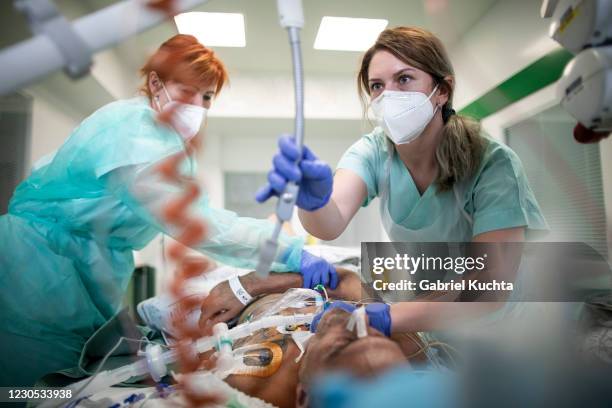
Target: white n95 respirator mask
{"x":403,"y":115}
{"x":186,"y":119}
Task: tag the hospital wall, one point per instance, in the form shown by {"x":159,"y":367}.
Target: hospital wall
{"x":51,"y":122}
{"x":510,"y":36}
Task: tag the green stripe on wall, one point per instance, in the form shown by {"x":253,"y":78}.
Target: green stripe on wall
{"x":534,"y":77}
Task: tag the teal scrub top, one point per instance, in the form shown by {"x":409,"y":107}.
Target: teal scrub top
{"x":496,"y":197}
{"x":66,"y":244}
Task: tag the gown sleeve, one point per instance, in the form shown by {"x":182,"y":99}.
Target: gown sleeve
{"x":231,"y":239}
{"x":124,"y":144}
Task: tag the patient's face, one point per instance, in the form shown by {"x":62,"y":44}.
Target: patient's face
{"x":334,"y":348}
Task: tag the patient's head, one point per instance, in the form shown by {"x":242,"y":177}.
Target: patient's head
{"x":334,"y":348}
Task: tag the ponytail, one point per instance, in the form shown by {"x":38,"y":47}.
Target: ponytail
{"x":460,"y":151}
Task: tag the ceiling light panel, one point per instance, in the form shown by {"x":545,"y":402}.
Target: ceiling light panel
{"x":213,"y":29}
{"x":347,"y":33}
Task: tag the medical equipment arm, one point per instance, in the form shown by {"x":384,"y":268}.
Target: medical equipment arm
{"x":585,"y":88}
{"x":292,"y":18}
{"x":59,"y":43}
{"x":584,"y":27}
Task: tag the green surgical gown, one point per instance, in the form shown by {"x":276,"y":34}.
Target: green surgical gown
{"x":66,"y":243}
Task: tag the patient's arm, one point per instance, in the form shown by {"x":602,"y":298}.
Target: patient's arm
{"x":221,"y":305}
{"x":349,"y":284}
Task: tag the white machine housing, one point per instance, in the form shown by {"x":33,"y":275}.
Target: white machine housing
{"x":290,"y":13}
{"x":585,"y":88}
{"x":579,"y":24}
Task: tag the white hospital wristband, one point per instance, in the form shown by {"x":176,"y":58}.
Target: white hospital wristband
{"x":239,"y":291}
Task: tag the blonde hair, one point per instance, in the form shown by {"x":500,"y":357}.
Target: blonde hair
{"x":461,"y":147}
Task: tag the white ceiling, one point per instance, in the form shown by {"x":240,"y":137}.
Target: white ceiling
{"x":267,"y":49}
{"x":267,"y":45}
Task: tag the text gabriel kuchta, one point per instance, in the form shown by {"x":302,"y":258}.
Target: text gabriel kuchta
{"x":471,"y":284}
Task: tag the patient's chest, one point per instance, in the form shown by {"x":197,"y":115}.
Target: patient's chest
{"x":269,"y":369}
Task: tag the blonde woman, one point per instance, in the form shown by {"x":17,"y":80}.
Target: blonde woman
{"x":437,"y":177}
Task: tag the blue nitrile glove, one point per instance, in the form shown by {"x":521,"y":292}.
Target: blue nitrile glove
{"x":338,"y":304}
{"x":379,"y":316}
{"x":317,"y":271}
{"x":313,"y":175}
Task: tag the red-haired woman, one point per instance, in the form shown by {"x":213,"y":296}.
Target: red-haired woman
{"x":72,"y":225}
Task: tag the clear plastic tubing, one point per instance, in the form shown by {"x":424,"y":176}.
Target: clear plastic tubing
{"x":106,"y":379}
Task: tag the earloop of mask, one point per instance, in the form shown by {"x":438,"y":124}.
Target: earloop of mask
{"x":157,"y":96}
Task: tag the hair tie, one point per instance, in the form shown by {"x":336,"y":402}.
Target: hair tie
{"x":447,"y":113}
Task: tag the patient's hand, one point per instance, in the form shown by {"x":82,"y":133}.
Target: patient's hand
{"x":220,"y":305}
{"x":349,"y":286}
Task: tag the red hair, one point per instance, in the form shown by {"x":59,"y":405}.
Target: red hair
{"x":183,"y":59}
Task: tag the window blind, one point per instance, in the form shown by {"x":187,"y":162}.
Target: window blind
{"x":564,"y":175}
